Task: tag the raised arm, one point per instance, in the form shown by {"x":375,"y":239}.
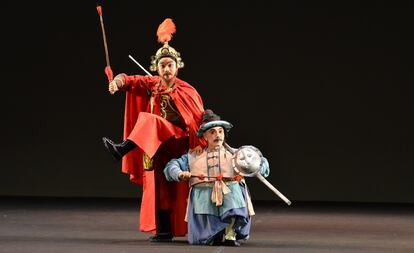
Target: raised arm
{"x":128,"y":83}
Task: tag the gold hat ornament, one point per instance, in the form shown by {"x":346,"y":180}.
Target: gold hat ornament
{"x":164,"y":33}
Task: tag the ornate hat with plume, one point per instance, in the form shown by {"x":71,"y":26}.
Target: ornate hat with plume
{"x":164,"y":33}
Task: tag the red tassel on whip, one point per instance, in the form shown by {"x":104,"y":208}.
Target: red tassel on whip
{"x":165,"y":30}
{"x":108,"y":70}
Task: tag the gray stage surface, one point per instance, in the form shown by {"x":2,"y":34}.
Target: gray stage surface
{"x":110,"y":225}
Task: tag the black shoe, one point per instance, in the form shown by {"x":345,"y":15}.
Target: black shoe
{"x":218,"y":239}
{"x":111,"y":147}
{"x":163,"y":233}
{"x":232,"y":243}
{"x":161,"y":238}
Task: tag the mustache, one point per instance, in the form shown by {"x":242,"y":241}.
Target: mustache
{"x":218,"y":139}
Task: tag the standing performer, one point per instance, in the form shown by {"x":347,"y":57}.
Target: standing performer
{"x":162,"y":116}
{"x":219,"y":206}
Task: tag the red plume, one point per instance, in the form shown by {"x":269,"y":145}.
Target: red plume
{"x":109,"y":73}
{"x":99,"y":9}
{"x":165,"y":30}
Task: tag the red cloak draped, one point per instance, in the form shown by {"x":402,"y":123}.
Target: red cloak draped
{"x":190,"y":105}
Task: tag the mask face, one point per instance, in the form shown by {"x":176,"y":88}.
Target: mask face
{"x":248,"y":160}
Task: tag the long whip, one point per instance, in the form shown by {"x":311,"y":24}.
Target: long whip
{"x":108,"y":70}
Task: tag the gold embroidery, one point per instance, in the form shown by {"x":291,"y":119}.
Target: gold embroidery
{"x":164,"y":102}
{"x":148,"y":162}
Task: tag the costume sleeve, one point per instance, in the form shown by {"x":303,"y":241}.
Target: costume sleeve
{"x":131,"y":82}
{"x":264,"y":169}
{"x":175,"y":166}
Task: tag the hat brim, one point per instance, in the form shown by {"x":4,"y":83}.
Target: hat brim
{"x":216,"y":123}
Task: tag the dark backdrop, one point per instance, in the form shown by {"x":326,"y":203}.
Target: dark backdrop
{"x":324,"y":90}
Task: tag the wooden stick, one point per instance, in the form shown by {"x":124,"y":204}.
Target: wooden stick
{"x":108,"y":70}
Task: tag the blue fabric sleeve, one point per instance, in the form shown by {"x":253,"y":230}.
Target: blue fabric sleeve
{"x":175,"y":166}
{"x":264,"y":169}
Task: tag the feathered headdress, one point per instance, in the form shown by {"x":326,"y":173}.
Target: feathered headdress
{"x":165,"y":30}
{"x":164,"y":33}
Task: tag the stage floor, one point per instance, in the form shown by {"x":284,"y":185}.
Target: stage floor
{"x":110,"y":225}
